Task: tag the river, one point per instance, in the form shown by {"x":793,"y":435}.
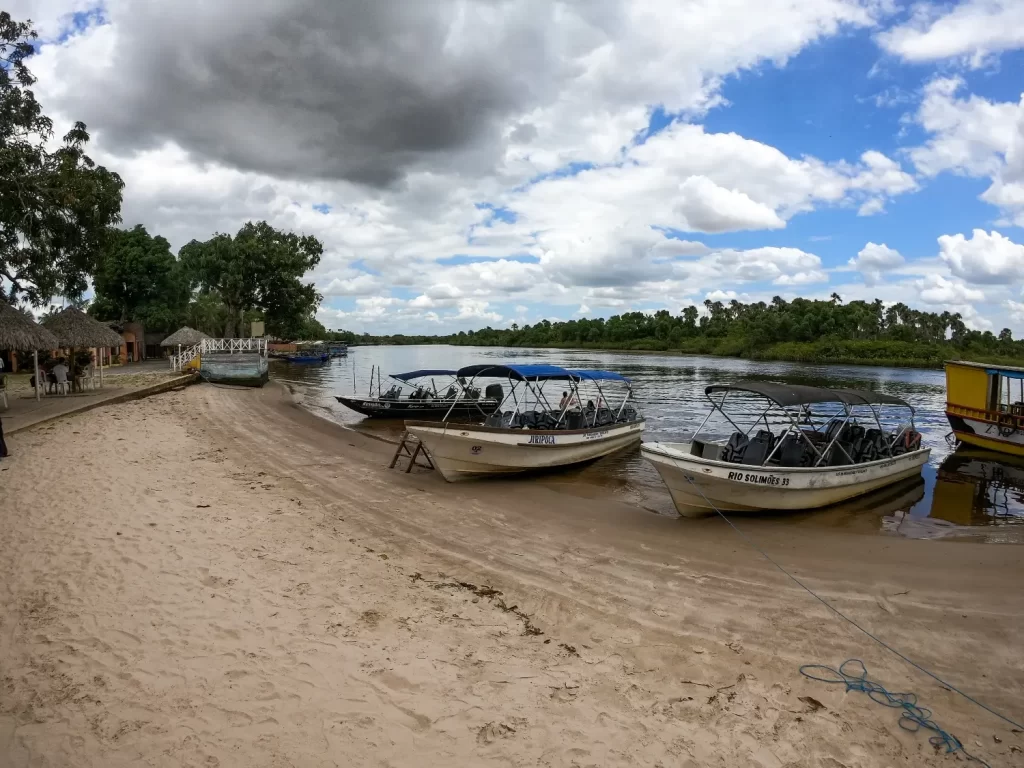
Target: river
{"x":969,"y":494}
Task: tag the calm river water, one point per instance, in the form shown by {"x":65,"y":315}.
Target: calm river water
{"x":969,"y":493}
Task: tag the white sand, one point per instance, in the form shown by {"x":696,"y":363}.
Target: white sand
{"x":217,"y":578}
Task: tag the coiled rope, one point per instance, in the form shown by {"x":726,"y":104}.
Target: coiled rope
{"x":854,"y":675}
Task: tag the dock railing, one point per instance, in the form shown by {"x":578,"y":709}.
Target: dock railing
{"x":186,"y":356}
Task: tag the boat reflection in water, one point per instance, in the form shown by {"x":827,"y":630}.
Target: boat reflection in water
{"x":979,"y":492}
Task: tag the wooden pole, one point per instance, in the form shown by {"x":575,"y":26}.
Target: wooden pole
{"x":101,"y":366}
{"x":35,"y":365}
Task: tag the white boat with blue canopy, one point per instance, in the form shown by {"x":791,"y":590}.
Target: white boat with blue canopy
{"x":549,"y":417}
{"x":769,"y":446}
{"x":429,"y":393}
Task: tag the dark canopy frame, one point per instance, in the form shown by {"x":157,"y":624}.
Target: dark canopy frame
{"x":407,"y":377}
{"x":787,"y":395}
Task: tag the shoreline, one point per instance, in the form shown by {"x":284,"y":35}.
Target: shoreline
{"x":248,"y":582}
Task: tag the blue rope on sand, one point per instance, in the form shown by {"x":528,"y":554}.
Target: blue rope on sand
{"x":854,"y":675}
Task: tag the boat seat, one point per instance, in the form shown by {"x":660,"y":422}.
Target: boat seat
{"x":840,"y":454}
{"x":494,"y":420}
{"x":735,"y":447}
{"x":795,"y":452}
{"x":605,"y":417}
{"x":510,"y":420}
{"x":494,"y":392}
{"x":574,"y":420}
{"x":759,"y":448}
{"x":549,"y":420}
{"x":832,"y":431}
{"x":628,"y":414}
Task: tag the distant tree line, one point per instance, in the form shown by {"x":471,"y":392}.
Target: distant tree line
{"x":798,"y":330}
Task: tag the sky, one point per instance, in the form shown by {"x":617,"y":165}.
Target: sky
{"x":487,"y":162}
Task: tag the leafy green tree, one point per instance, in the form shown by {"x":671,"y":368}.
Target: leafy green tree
{"x":55,"y":206}
{"x":260,"y":268}
{"x":138,"y":279}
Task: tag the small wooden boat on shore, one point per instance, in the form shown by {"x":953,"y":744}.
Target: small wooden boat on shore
{"x":985,"y":405}
{"x":416,"y":394}
{"x":816,"y":459}
{"x":533,"y":434}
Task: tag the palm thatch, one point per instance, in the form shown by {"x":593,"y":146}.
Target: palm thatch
{"x":186,"y":337}
{"x":74,"y":328}
{"x":21,"y":333}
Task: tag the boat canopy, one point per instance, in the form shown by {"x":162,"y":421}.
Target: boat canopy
{"x":538,"y":373}
{"x":801,"y":394}
{"x":597,"y":375}
{"x":420,"y":374}
{"x":515,"y":372}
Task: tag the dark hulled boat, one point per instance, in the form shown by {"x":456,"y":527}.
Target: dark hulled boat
{"x":424,"y":401}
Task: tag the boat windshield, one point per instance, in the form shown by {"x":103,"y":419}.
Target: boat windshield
{"x":548,"y":396}
{"x":790,"y":425}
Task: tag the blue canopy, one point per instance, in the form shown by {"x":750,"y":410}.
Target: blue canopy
{"x":598,"y":375}
{"x":516,"y":372}
{"x":1010,"y":374}
{"x":420,"y":374}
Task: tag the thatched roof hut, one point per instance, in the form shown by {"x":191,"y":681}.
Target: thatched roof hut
{"x":74,"y":328}
{"x":21,"y":333}
{"x":186,"y":337}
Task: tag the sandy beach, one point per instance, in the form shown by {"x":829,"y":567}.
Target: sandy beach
{"x":216,"y":577}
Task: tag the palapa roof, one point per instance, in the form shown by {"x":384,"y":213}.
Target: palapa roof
{"x":185,"y":336}
{"x":22,"y":333}
{"x":74,"y":328}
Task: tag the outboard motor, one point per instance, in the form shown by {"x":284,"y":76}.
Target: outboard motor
{"x":494,"y":392}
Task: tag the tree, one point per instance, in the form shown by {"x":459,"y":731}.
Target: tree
{"x":55,"y":206}
{"x":260,"y":268}
{"x":138,"y":279}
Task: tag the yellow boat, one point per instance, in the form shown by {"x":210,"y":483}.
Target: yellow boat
{"x":985,"y":405}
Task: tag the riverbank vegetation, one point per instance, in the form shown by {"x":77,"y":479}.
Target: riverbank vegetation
{"x":801,"y":330}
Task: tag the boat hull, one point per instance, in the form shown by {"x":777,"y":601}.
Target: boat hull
{"x":743,"y":488}
{"x":984,"y":433}
{"x":418,"y":409}
{"x":462,"y":452}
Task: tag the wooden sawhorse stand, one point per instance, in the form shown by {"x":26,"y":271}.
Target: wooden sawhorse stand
{"x":403,"y":451}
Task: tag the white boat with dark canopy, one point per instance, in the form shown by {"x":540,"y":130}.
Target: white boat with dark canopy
{"x":819,"y":454}
{"x":533,"y":429}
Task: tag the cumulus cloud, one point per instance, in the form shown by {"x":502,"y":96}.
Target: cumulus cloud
{"x":874,"y":259}
{"x":985,"y":257}
{"x":706,"y":207}
{"x":1016,"y":310}
{"x":971,"y":29}
{"x":976,"y":137}
{"x":936,"y":289}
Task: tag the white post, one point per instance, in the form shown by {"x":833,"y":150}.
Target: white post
{"x":35,"y":365}
{"x":178,"y":367}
